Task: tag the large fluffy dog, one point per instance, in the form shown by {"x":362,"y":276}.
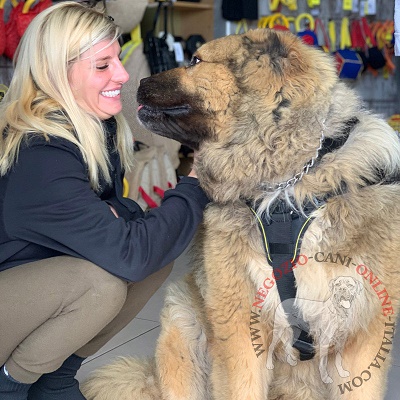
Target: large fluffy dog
{"x":275,"y":130}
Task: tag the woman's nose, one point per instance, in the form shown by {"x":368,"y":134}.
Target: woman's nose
{"x":121,"y":75}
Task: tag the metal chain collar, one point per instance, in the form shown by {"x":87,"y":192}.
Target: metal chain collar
{"x":299,"y":176}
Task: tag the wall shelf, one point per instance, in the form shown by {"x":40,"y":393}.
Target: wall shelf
{"x":187,"y":5}
{"x":190,"y":18}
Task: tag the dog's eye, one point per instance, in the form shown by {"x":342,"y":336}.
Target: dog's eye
{"x":195,"y":60}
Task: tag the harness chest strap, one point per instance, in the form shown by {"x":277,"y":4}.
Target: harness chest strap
{"x":282,"y":235}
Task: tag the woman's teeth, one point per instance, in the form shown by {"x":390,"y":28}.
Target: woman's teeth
{"x":111,"y":93}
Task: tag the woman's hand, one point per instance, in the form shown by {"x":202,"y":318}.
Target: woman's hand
{"x":113,"y":211}
{"x":193,"y":173}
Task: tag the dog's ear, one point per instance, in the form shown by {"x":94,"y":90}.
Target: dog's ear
{"x":267,"y":47}
{"x":277,"y":52}
{"x":331,"y":283}
{"x":287,"y":52}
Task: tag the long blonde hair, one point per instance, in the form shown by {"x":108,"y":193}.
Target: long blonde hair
{"x":39,"y":99}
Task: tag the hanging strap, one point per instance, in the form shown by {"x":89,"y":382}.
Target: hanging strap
{"x":165,"y":22}
{"x":319,"y":24}
{"x":241,"y":26}
{"x":146,"y":197}
{"x":345,"y":40}
{"x":282,"y":235}
{"x":369,"y":37}
{"x":357,"y":38}
{"x":332,"y":35}
{"x":156,"y":16}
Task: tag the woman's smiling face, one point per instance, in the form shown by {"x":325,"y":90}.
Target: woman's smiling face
{"x":96,"y":79}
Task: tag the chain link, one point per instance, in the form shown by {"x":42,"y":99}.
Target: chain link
{"x":299,"y":176}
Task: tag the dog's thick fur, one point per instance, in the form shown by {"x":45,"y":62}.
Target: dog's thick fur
{"x":255,"y":106}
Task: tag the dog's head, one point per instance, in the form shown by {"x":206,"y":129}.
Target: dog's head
{"x":254,"y":105}
{"x":344,"y":289}
{"x":236,"y":82}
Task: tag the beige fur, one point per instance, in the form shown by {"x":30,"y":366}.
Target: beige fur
{"x":255,"y":106}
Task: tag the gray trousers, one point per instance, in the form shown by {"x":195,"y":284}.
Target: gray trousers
{"x":53,"y":308}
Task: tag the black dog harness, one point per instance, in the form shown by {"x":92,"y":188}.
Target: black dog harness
{"x":282,"y":233}
{"x":285,"y":230}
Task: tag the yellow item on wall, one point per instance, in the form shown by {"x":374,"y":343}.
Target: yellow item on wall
{"x":345,"y":40}
{"x":394,"y":122}
{"x":128,"y":48}
{"x":307,"y":17}
{"x":290,"y":4}
{"x":125,"y":191}
{"x":263,"y":21}
{"x":348,"y":5}
{"x":241,"y":26}
{"x":27,"y":6}
{"x":3,"y":91}
{"x":332,"y":34}
{"x":278,"y":19}
{"x":3,"y":3}
{"x":274,"y":4}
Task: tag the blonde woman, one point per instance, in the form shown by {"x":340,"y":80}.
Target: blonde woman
{"x":77,"y":260}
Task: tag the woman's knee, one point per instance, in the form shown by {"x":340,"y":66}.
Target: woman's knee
{"x":106,"y":290}
{"x":72,"y":297}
